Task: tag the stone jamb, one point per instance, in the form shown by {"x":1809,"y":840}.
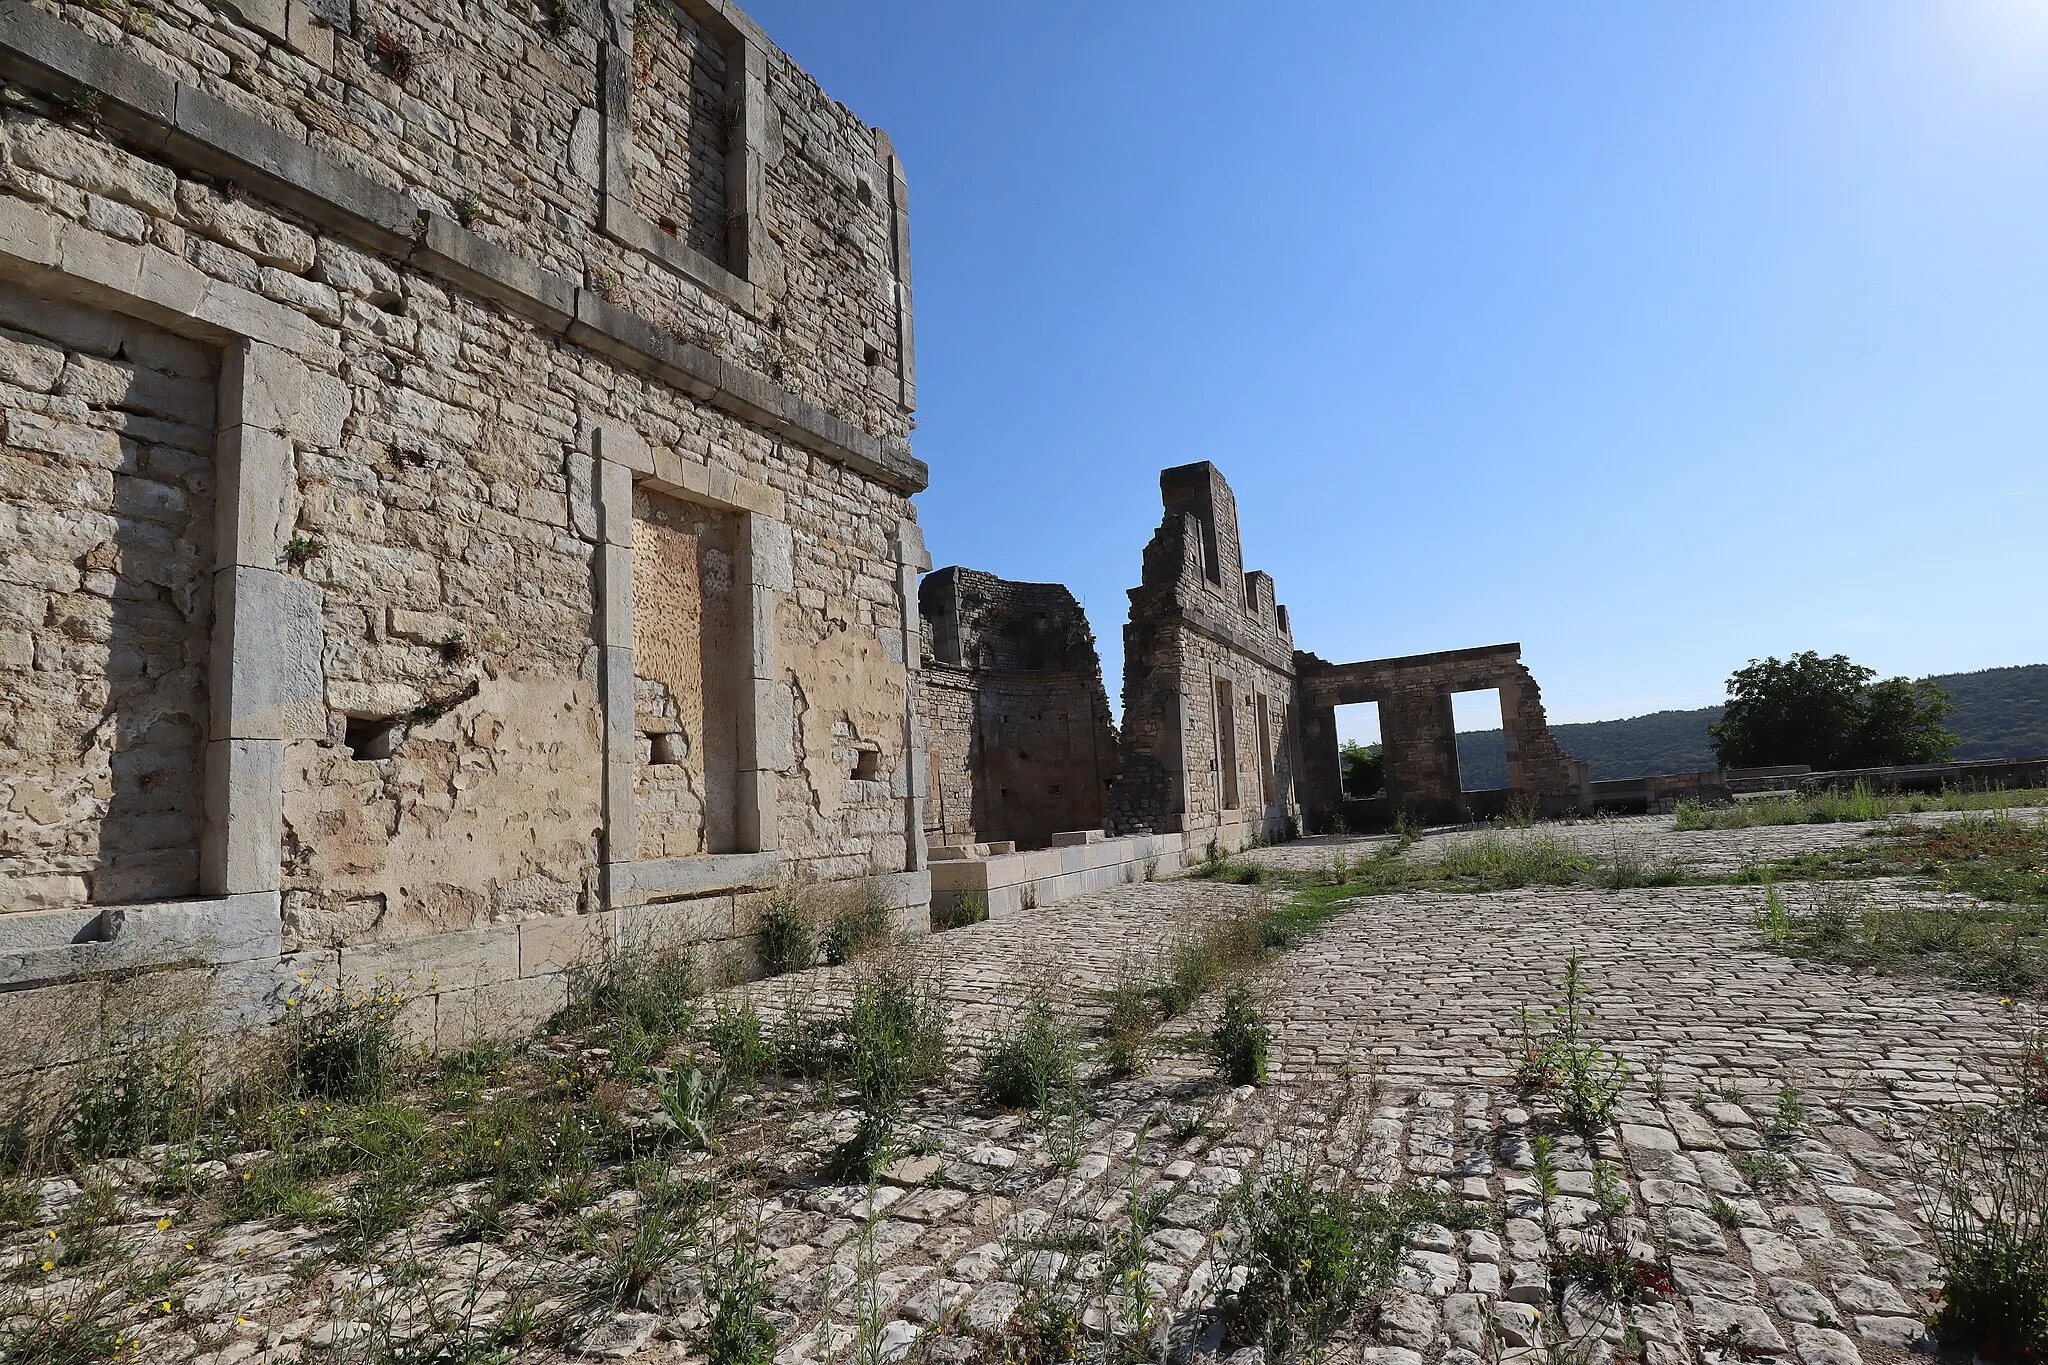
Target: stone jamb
{"x":624,"y":460}
{"x":913,"y":777}
{"x":264,"y":677}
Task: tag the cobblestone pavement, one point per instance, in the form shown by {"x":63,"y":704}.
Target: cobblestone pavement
{"x":1396,"y":1036}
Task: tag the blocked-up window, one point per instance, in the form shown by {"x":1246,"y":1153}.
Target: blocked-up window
{"x":687,"y":659}
{"x":1265,"y":721}
{"x":1226,"y":745}
{"x":106,"y":488}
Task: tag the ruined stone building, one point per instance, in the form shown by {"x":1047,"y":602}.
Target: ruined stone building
{"x":1209,"y":740}
{"x":454,"y":497}
{"x":1017,"y":722}
{"x":1419,"y":736}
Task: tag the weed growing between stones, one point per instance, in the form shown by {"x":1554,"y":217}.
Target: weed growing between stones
{"x":1241,"y":1041}
{"x":1991,"y":1228}
{"x":859,"y":928}
{"x":1129,"y":1019}
{"x":736,"y":1287}
{"x":893,"y":1036}
{"x":1563,"y":1058}
{"x":1859,"y":803}
{"x":788,"y":938}
{"x":743,"y":1045}
{"x":968,"y":907}
{"x":641,"y":1000}
{"x":1032,"y":1062}
{"x":1318,"y":1262}
{"x":1996,"y":939}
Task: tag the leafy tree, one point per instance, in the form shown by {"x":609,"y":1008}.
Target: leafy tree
{"x":1365,"y":769}
{"x":1829,"y":713}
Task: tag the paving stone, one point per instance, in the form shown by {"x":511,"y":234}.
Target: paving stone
{"x":1824,"y":1346}
{"x":1798,"y":1301}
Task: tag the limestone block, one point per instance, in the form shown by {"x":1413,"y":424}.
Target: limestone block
{"x":756,"y":819}
{"x":24,"y":931}
{"x":267,"y":665}
{"x":561,"y":942}
{"x":619,"y":444}
{"x":29,"y":362}
{"x":244,"y":816}
{"x":615,"y":502}
{"x":234,"y":928}
{"x":766,"y":742}
{"x":675,"y":924}
{"x":414,"y":967}
{"x":761,"y":633}
{"x":701,"y":876}
{"x":507,"y":1009}
{"x":257,"y":501}
{"x":615,"y":626}
{"x":261,"y":386}
{"x":584,"y":146}
{"x":310,"y":34}
{"x":266,"y":16}
{"x":28,"y":235}
{"x":263,"y":237}
{"x":92,"y":165}
{"x":770,"y":554}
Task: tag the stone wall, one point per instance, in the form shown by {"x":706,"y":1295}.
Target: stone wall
{"x":1017,"y":720}
{"x":1418,"y":733}
{"x":415,"y":605}
{"x":1209,"y":735}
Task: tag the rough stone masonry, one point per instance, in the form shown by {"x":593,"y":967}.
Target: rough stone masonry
{"x":454,"y":499}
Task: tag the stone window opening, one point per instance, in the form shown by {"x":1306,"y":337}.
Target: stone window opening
{"x":369,"y":739}
{"x":1480,"y":751}
{"x":867,"y":763}
{"x":871,"y":355}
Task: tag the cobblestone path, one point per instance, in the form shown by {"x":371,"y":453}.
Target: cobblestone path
{"x":1396,"y":1037}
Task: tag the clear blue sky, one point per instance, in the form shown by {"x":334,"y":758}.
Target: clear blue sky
{"x":1654,"y":336}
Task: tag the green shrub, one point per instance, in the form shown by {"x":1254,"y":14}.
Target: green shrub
{"x":344,"y":1047}
{"x":736,"y":1285}
{"x":967,"y":907}
{"x":892,"y":1036}
{"x":1128,"y":1022}
{"x":639,"y":999}
{"x":145,"y":1093}
{"x":860,"y":928}
{"x":1241,"y":1040}
{"x":1029,"y":1064}
{"x":1562,"y":1057}
{"x":1503,"y":861}
{"x":743,"y":1045}
{"x":788,"y":939}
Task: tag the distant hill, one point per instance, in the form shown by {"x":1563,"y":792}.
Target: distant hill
{"x":2000,"y":713}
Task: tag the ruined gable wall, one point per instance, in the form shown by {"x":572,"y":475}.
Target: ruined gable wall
{"x":1198,"y":619}
{"x":442,"y":497}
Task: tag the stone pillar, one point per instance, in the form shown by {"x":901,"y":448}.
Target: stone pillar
{"x":1322,"y":770}
{"x":1419,"y":736}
